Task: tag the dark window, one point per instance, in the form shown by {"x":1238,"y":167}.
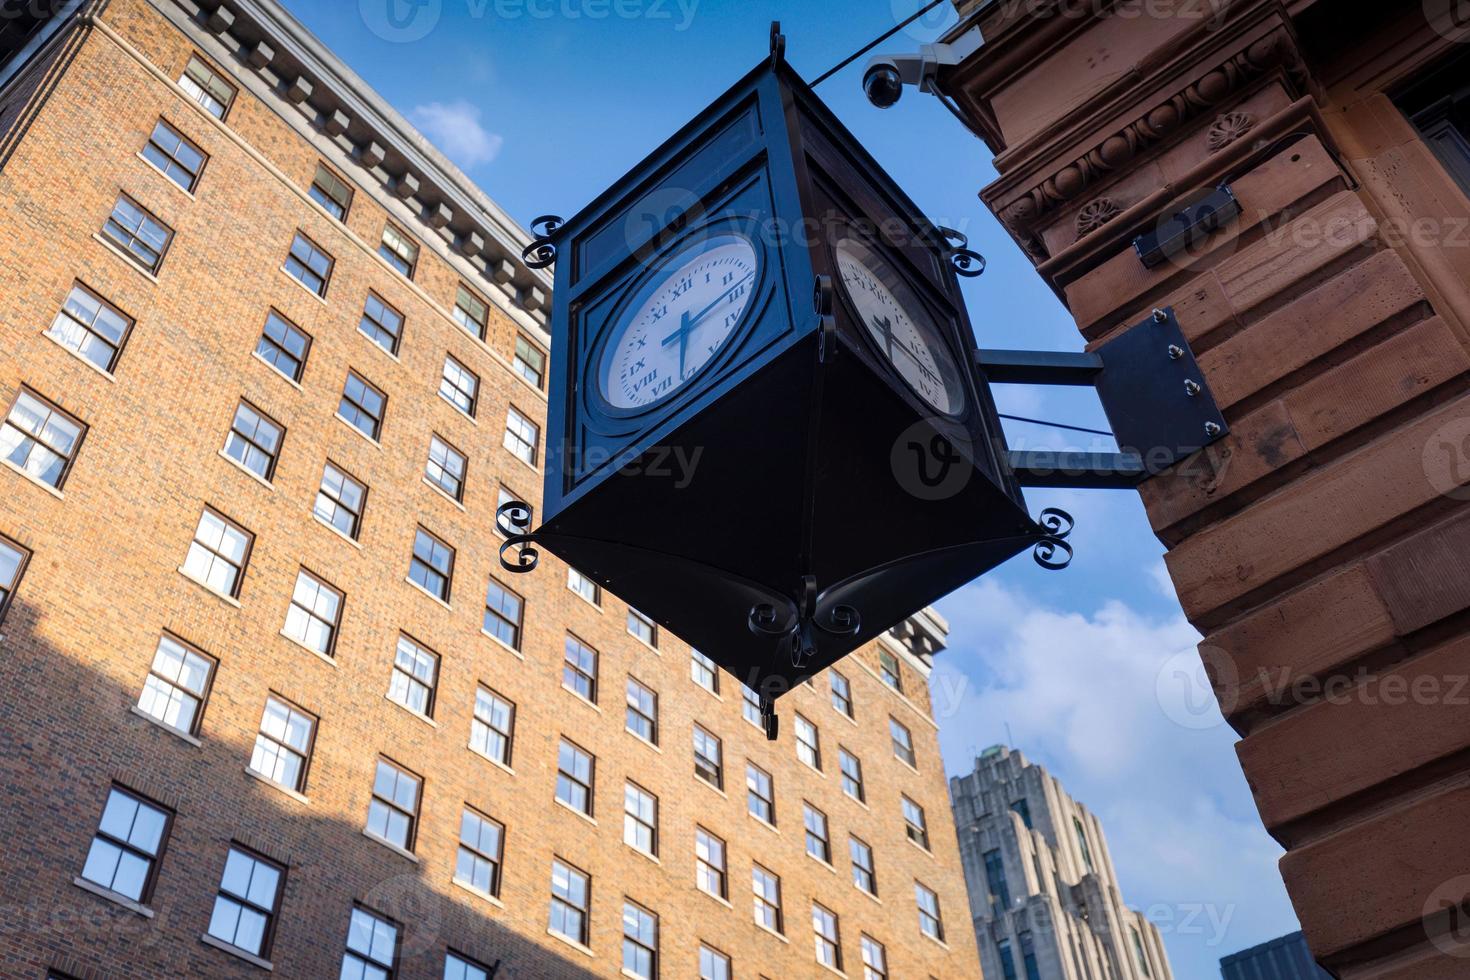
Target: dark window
{"x":254,"y":441}
{"x":529,"y":362}
{"x":1438,"y":104}
{"x":138,"y":233}
{"x":579,"y":668}
{"x":340,"y":500}
{"x":1007,"y":958}
{"x":218,"y":554}
{"x":1022,"y":809}
{"x":460,"y":386}
{"x":245,"y":908}
{"x":362,"y":406}
{"x":432,"y":565}
{"x":1082,"y":843}
{"x":39,"y":439}
{"x":309,"y":265}
{"x":415,"y":676}
{"x":841,"y":693}
{"x":13,"y":560}
{"x":470,"y":312}
{"x":91,"y":327}
{"x":282,"y":751}
{"x":446,"y":468}
{"x":1033,"y":969}
{"x":818,"y":845}
{"x":393,"y":814}
{"x":492,"y":730}
{"x":708,"y":758}
{"x":642,"y":627}
{"x":852,"y":774}
{"x":283,"y":346}
{"x":381,"y":324}
{"x":401,"y":251}
{"x":180,"y":160}
{"x":574,"y":769}
{"x":372,"y":947}
{"x":902,"y":741}
{"x":503,"y":611}
{"x":478,"y":860}
{"x":995,"y":880}
{"x":890,"y":671}
{"x":206,"y":87}
{"x":331,"y":192}
{"x":177,"y":685}
{"x":915,"y":825}
{"x":124,"y":854}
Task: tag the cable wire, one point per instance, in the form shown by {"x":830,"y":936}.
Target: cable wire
{"x":874,"y":43}
{"x":1054,"y":425}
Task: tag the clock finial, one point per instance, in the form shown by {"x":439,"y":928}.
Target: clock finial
{"x":778,"y":42}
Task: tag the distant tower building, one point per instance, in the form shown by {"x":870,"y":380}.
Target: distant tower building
{"x":1043,"y":894}
{"x":1286,"y":958}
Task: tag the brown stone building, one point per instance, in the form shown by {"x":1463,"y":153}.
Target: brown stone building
{"x":1320,"y":547}
{"x":268,"y":364}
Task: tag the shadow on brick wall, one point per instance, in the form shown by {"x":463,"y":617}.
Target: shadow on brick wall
{"x":67,"y":735}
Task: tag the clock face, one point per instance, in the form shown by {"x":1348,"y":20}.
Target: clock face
{"x":903,"y":331}
{"x":676,"y":325}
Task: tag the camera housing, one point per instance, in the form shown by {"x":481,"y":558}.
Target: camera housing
{"x":883,"y":84}
{"x":887,"y":74}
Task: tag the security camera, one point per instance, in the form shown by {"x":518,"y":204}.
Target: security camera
{"x":887,"y":74}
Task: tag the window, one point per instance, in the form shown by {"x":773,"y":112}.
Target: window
{"x":457,"y":967}
{"x":493,"y":727}
{"x":177,"y":684}
{"x":218,"y":554}
{"x":206,"y":87}
{"x":817,"y":843}
{"x":640,"y":942}
{"x":707,"y":758}
{"x":767,"y":889}
{"x":1033,"y":969}
{"x":138,"y":233}
{"x":415,"y":673}
{"x":852,"y":774}
{"x":995,"y":880}
{"x":1023,"y":810}
{"x":1082,"y":843}
{"x":283,"y":745}
{"x":39,"y":439}
{"x":460,"y":386}
{"x":521,"y":437}
{"x":750,"y":706}
{"x":124,"y":854}
{"x":903,"y":742}
{"x":283,"y":346}
{"x":400,"y":251}
{"x":642,"y":717}
{"x":569,"y":902}
{"x":470,"y":312}
{"x":702,"y":671}
{"x":584,"y":587}
{"x":503,"y":609}
{"x":579,"y":668}
{"x":245,"y":908}
{"x":529,"y":362}
{"x":760,"y":794}
{"x":254,"y":441}
{"x":309,"y":265}
{"x":340,"y":500}
{"x":372,"y":947}
{"x":709,"y":862}
{"x":381,"y":324}
{"x":828,"y":943}
{"x":478,"y":861}
{"x":1030,"y":953}
{"x":713,"y":965}
{"x":331,"y":192}
{"x":509,"y":496}
{"x":180,"y":160}
{"x":875,"y":959}
{"x":393,"y":813}
{"x":314,"y":613}
{"x":13,"y":560}
{"x":862,"y":866}
{"x":930,"y":922}
{"x":362,"y":406}
{"x":446,"y":468}
{"x":841,"y":693}
{"x":808,"y":743}
{"x":640,"y":818}
{"x":574,"y":769}
{"x":914,"y":823}
{"x":642,"y":627}
{"x":889,"y":670}
{"x":432,"y":565}
{"x":91,"y":327}
{"x":1007,"y":960}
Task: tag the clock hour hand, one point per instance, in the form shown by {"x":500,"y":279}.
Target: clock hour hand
{"x":694,"y":320}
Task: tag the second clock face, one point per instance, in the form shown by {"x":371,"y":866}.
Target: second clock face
{"x":903,"y":331}
{"x":676,"y":325}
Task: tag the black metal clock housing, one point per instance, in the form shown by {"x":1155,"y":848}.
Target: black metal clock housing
{"x":765,"y":429}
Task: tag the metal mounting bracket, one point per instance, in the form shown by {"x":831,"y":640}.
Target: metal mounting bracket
{"x":1156,"y":399}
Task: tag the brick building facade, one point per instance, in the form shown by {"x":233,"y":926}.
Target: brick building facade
{"x":1320,"y":547}
{"x":268,"y":365}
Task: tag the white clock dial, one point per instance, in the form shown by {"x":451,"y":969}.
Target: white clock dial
{"x":904,"y":333}
{"x":674,"y":330}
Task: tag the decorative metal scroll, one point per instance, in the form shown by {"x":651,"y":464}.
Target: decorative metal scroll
{"x":967,"y":262}
{"x":799,"y":623}
{"x":541,"y":253}
{"x":1053,"y":551}
{"x":513,"y":521}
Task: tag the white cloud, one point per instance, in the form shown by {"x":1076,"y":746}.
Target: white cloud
{"x":456,"y":129}
{"x":1094,"y":697}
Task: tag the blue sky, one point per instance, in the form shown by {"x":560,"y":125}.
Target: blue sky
{"x":1090,"y":670}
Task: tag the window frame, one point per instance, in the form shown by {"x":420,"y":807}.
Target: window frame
{"x":381,"y":325}
{"x":596,"y":599}
{"x":917,"y":833}
{"x":753,"y":793}
{"x":444,"y":379}
{"x":727,"y":969}
{"x":89,"y":330}
{"x":415,"y":560}
{"x":579,"y":674}
{"x":240,"y":569}
{"x":68,"y":459}
{"x":920,"y":890}
{"x":871,"y":970}
{"x":408,"y":242}
{"x":334,"y":626}
{"x":508,"y":735}
{"x":908,"y":755}
{"x":718,"y":763}
{"x":412,"y":681}
{"x":155,"y":859}
{"x":292,"y":708}
{"x":638,"y":942}
{"x":855,"y":778}
{"x":272,"y":457}
{"x":824,"y":839}
{"x":8,"y":591}
{"x":634,"y":616}
{"x":890,"y":672}
{"x":636,"y":709}
{"x":809,"y":753}
{"x":291,"y":327}
{"x":588,"y":788}
{"x":337,"y":502}
{"x":376,"y":435}
{"x":211,"y":665}
{"x":705,"y":867}
{"x":413,"y":816}
{"x":271,"y":914}
{"x":326,"y":192}
{"x":151,"y":143}
{"x":583,"y":911}
{"x":533,"y":377}
{"x":215,"y":76}
{"x":845,"y":708}
{"x":637,"y":818}
{"x":313,"y":248}
{"x":391,"y":967}
{"x":451,"y":454}
{"x":460,"y":313}
{"x":534,"y":446}
{"x":517,"y":626}
{"x":762,"y":902}
{"x":823,"y":942}
{"x":496,"y":862}
{"x":701,"y":662}
{"x":861,"y":871}
{"x":125,"y":248}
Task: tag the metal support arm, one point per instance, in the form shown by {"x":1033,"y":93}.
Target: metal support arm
{"x":1038,"y":367}
{"x":1077,"y":470}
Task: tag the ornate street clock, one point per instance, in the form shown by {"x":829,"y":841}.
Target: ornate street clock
{"x":766,"y":429}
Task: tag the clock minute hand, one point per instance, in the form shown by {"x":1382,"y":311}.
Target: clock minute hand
{"x":696,"y":318}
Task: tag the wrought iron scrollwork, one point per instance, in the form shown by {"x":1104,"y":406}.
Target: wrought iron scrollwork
{"x":955,"y":239}
{"x":967,"y":262}
{"x":1053,"y":551}
{"x":541,"y":253}
{"x":799,"y":624}
{"x":513,"y":521}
